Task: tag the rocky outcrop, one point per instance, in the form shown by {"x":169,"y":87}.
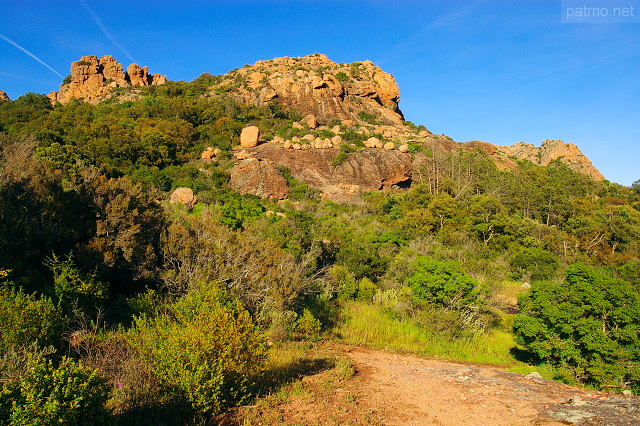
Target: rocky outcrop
{"x":317,"y":86}
{"x":551,"y":150}
{"x":364,"y":170}
{"x":93,"y":79}
{"x":3,"y":97}
{"x":139,"y":76}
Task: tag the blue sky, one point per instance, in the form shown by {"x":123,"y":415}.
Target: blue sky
{"x":491,"y":70}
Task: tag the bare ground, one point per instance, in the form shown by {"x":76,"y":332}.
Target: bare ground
{"x":392,"y":389}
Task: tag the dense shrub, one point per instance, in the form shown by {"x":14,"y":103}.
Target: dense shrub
{"x":206,"y":351}
{"x":589,"y":325}
{"x":48,"y":395}
{"x":442,"y":283}
{"x":74,"y":291}
{"x":27,"y":319}
{"x":538,"y":263}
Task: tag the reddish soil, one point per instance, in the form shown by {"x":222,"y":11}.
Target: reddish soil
{"x":415,"y":391}
{"x":391,"y":389}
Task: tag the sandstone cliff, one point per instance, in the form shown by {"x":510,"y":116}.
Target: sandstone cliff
{"x":316,"y":85}
{"x":93,"y":79}
{"x":3,"y":96}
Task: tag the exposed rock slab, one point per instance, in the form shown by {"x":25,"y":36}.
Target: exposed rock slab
{"x":4,"y":97}
{"x":259,"y":177}
{"x":364,"y":170}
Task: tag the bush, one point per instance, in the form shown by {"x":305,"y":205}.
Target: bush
{"x":46,"y":395}
{"x":342,"y":76}
{"x":589,"y":324}
{"x":75,"y":291}
{"x":442,"y":283}
{"x":540,"y":264}
{"x":27,"y":319}
{"x":206,"y":352}
{"x":307,"y":324}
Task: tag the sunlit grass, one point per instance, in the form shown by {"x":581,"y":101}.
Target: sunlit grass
{"x":370,"y":326}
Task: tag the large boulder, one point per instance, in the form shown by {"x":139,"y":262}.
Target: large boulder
{"x":311,"y":121}
{"x":249,"y":137}
{"x":184,"y":196}
{"x":3,"y":97}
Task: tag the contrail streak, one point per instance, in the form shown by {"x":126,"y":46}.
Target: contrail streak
{"x":8,"y":40}
{"x":104,"y":30}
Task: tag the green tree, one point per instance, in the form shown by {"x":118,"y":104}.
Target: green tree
{"x":442,"y":283}
{"x":538,"y":263}
{"x":588,"y":325}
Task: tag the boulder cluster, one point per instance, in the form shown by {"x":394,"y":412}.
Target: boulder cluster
{"x":93,"y":78}
{"x":250,"y":137}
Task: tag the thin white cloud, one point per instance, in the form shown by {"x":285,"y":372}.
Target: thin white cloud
{"x":104,"y":30}
{"x":8,"y":40}
{"x":448,"y":22}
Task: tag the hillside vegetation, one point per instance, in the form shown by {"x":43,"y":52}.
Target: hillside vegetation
{"x":117,"y":306}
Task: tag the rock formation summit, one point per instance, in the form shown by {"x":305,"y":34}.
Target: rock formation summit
{"x":315,"y":85}
{"x":3,"y":96}
{"x":93,"y":79}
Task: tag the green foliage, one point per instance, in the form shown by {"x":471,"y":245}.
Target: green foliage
{"x":442,"y":283}
{"x":75,"y":292}
{"x":307,"y":324}
{"x":539,"y":264}
{"x":236,"y":210}
{"x":354,"y":70}
{"x":206,"y":352}
{"x":27,"y":319}
{"x":340,"y":158}
{"x":297,"y":190}
{"x":368,"y":117}
{"x":68,"y":393}
{"x":125,"y":246}
{"x":366,"y":289}
{"x":342,"y":76}
{"x":588,"y":324}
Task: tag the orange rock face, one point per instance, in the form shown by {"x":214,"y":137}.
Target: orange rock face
{"x":92,"y":79}
{"x":3,"y":96}
{"x":551,"y":150}
{"x":317,"y":86}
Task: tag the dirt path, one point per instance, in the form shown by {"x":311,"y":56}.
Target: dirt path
{"x":414,"y":391}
